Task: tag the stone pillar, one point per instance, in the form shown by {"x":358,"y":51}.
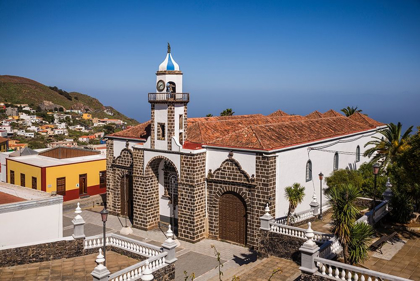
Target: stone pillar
{"x":78,"y":224}
{"x":309,"y":251}
{"x":314,"y":206}
{"x":388,"y":193}
{"x":169,"y":246}
{"x":147,"y":274}
{"x":101,"y":273}
{"x":265,"y":219}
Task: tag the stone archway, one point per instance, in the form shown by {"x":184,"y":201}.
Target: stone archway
{"x":157,"y":197}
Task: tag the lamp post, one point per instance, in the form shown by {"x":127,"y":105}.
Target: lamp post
{"x":375,"y":173}
{"x":321,"y":177}
{"x":104,"y":216}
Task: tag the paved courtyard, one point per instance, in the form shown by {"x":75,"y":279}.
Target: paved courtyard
{"x":78,"y":268}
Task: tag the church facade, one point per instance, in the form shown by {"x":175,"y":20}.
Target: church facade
{"x":212,"y":176}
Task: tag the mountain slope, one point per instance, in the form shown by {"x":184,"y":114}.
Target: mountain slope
{"x":18,"y":90}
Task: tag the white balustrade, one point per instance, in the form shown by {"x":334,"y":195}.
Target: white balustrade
{"x":298,"y":232}
{"x":131,"y":245}
{"x":330,"y":249}
{"x":341,"y":271}
{"x":135,"y":271}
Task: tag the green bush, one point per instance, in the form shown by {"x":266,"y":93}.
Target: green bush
{"x":402,"y":207}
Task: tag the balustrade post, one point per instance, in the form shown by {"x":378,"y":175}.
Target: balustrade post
{"x":314,"y":206}
{"x":78,"y":224}
{"x":100,"y":273}
{"x":169,"y":246}
{"x":309,"y":251}
{"x":147,"y":274}
{"x":265,"y":219}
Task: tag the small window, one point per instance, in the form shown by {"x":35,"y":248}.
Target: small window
{"x":358,"y":154}
{"x":12,"y":177}
{"x":181,"y":121}
{"x":102,"y":179}
{"x":161,"y":131}
{"x":22,"y":179}
{"x":34,"y":183}
{"x":61,"y":186}
{"x":309,"y":170}
{"x":181,"y":138}
{"x":336,"y":161}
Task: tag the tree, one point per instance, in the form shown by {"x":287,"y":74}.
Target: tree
{"x":359,"y":237}
{"x":209,"y":115}
{"x":227,"y":112}
{"x":348,"y":111}
{"x":342,"y":200}
{"x":387,"y":148}
{"x":294,"y":194}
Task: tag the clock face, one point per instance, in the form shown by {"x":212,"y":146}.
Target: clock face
{"x":160,"y":86}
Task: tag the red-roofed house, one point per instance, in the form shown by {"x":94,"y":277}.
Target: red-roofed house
{"x":213,"y":176}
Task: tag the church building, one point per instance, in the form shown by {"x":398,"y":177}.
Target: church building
{"x":212,"y":176}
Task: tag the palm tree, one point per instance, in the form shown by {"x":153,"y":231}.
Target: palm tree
{"x":359,"y":237}
{"x":390,"y":145}
{"x":350,"y":110}
{"x":227,"y":112}
{"x":342,"y":199}
{"x":294,"y":194}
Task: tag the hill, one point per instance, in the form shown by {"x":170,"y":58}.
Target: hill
{"x":20,"y":90}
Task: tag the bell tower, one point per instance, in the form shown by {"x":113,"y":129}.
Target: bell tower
{"x":168,"y":107}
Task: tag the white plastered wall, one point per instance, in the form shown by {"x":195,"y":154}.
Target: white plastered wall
{"x":164,"y":206}
{"x":215,"y":157}
{"x":179,"y":110}
{"x":119,"y":145}
{"x":177,"y":79}
{"x":161,"y":116}
{"x":291,"y":168}
{"x":31,"y":225}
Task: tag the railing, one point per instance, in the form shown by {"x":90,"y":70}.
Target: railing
{"x":330,"y":249}
{"x":340,"y":271}
{"x":131,"y":245}
{"x":298,"y":232}
{"x":165,"y":97}
{"x":301,"y":216}
{"x":380,"y":211}
{"x":135,"y":271}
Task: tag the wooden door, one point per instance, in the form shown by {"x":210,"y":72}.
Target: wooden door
{"x":232,"y":218}
{"x":126,"y":191}
{"x":82,"y":184}
{"x":34,"y":183}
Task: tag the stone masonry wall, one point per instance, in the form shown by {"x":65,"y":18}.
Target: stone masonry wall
{"x":282,"y":246}
{"x":109,"y":175}
{"x":191,"y":198}
{"x":152,"y":126}
{"x":166,"y":273}
{"x":185,"y":122}
{"x":171,"y":125}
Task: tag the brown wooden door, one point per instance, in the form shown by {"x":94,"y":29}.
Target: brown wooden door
{"x":82,"y":184}
{"x":232,"y":218}
{"x":34,"y":183}
{"x":126,"y":191}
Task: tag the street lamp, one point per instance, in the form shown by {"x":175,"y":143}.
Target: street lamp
{"x":321,"y":177}
{"x":375,"y":172}
{"x":104,"y":216}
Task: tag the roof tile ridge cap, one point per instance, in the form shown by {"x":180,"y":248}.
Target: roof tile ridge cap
{"x":258,"y":138}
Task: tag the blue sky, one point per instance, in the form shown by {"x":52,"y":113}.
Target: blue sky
{"x":252,"y":56}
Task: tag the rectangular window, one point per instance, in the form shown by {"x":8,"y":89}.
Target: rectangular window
{"x":181,"y":138}
{"x":61,"y":186}
{"x":161,"y":131}
{"x":181,"y":121}
{"x":102,"y":179}
{"x":34,"y":183}
{"x":12,"y":177}
{"x":22,"y":179}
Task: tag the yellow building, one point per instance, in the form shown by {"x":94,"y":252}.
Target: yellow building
{"x":71,"y":172}
{"x":87,"y":116}
{"x":4,"y":144}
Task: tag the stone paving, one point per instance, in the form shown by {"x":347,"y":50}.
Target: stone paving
{"x":78,"y":268}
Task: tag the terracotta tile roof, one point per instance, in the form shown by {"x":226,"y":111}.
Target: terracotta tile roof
{"x":364,"y":119}
{"x":314,"y":115}
{"x":331,"y":113}
{"x":141,"y":131}
{"x":285,"y":134}
{"x":263,"y":132}
{"x":278,"y":113}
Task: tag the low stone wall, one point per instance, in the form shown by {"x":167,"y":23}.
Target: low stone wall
{"x":42,"y":252}
{"x":54,"y":251}
{"x":282,"y":246}
{"x":165,"y":273}
{"x":363,"y":202}
{"x":308,"y":277}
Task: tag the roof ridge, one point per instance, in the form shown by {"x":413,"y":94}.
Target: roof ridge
{"x":256,"y":135}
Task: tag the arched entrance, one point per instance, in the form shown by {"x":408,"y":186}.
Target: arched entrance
{"x":232,"y":218}
{"x":126,"y":191}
